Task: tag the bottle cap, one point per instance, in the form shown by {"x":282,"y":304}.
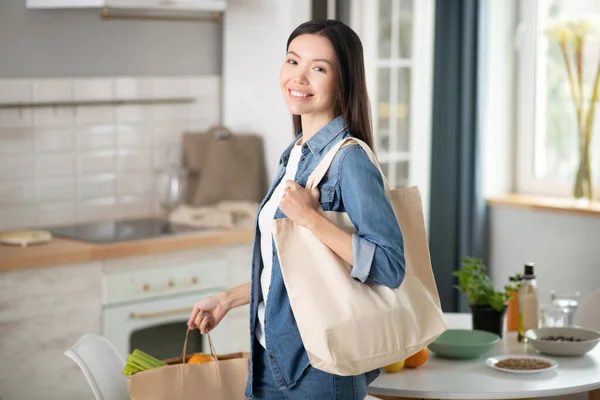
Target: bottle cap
{"x":529,"y":271}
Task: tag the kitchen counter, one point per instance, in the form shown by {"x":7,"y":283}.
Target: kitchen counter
{"x":64,"y":251}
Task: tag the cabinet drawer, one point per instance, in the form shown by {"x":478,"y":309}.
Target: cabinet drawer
{"x":132,"y":284}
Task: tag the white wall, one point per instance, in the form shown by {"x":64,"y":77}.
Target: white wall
{"x":74,"y":164}
{"x":563,"y":246}
{"x":255,"y":34}
{"x":77,"y":42}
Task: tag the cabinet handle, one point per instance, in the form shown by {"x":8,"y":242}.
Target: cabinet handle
{"x":161,"y":313}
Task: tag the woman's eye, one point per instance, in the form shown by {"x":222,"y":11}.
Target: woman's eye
{"x":293,"y":62}
{"x":319,"y":69}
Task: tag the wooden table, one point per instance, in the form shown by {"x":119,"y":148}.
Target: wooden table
{"x":472,"y":379}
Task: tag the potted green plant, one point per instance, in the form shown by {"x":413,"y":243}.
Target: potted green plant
{"x":488,"y":306}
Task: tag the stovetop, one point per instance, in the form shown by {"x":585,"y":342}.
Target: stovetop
{"x":120,"y":231}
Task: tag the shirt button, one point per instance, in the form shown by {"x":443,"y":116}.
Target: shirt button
{"x":271,"y":357}
{"x":302,"y":159}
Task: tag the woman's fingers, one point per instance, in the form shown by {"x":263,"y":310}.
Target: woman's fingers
{"x":205,"y":325}
{"x":192,"y":321}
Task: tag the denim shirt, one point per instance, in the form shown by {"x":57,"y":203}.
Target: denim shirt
{"x":352,"y":185}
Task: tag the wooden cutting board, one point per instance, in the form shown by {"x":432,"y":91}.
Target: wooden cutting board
{"x":25,"y":238}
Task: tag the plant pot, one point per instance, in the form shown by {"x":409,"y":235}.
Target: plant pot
{"x":512,"y":313}
{"x":486,"y":318}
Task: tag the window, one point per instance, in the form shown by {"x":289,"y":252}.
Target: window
{"x":547,"y":130}
{"x":398,"y":39}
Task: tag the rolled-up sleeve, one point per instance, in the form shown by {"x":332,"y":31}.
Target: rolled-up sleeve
{"x":378,"y":245}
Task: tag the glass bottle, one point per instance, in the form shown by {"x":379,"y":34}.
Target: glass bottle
{"x":529,"y":303}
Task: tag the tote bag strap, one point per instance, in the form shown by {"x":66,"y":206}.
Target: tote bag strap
{"x":315,"y":178}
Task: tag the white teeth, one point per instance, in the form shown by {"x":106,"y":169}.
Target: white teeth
{"x":298,"y":94}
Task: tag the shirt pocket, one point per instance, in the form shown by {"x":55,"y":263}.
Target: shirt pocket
{"x":326,"y":195}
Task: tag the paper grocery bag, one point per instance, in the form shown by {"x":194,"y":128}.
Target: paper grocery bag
{"x":224,"y":379}
{"x":224,"y":167}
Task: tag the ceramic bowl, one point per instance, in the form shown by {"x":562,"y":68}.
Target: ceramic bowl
{"x":543,"y":340}
{"x":463,"y":343}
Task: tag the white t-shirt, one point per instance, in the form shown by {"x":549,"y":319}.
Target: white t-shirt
{"x":265,"y":221}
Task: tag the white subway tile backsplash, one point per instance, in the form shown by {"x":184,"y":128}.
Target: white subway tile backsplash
{"x":199,"y":125}
{"x":55,"y":116}
{"x":204,"y":88}
{"x":54,"y":165}
{"x":97,"y":209}
{"x":135,"y":206}
{"x":52,"y":90}
{"x":204,"y":110}
{"x":167,"y":136}
{"x":95,"y":114}
{"x":20,"y":216}
{"x":135,"y":161}
{"x":15,"y":167}
{"x":97,"y":186}
{"x":17,"y":193}
{"x":62,"y":164}
{"x":54,"y":139}
{"x":139,"y":184}
{"x":98,"y":162}
{"x":133,"y":88}
{"x":130,"y":135}
{"x":16,"y":141}
{"x":170,"y":112}
{"x":132,"y":113}
{"x":15,"y":91}
{"x":96,"y":137}
{"x":178,"y":87}
{"x":16,"y":117}
{"x":93,"y":89}
{"x":56,"y":189}
{"x":56,"y":213}
{"x":166,"y":155}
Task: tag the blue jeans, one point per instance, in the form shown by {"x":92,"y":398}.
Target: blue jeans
{"x":313,"y":385}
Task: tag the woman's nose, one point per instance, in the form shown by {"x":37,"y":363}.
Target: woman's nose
{"x":300,"y":79}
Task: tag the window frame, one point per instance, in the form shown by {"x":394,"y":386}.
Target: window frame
{"x":364,"y":19}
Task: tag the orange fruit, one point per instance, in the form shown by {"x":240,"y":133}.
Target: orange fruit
{"x":417,"y":359}
{"x":198,"y":358}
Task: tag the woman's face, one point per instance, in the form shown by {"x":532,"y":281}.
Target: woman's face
{"x":308,"y":77}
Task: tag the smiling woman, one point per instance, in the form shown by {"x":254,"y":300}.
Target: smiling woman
{"x":322,"y":81}
{"x":311,"y":68}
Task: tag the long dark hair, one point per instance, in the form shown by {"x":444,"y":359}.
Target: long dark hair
{"x":352,"y":100}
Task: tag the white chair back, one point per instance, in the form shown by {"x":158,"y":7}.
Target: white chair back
{"x":102,"y":366}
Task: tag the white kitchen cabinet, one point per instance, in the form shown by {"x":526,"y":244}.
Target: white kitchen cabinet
{"x":64,"y":3}
{"x":184,"y":5}
{"x":43,"y":312}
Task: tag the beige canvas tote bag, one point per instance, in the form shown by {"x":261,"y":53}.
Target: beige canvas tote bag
{"x":349,"y":327}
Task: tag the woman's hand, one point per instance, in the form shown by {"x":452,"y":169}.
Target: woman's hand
{"x":299,"y":204}
{"x":207,"y":314}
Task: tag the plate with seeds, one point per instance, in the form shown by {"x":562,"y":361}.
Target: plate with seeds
{"x":521,"y":364}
